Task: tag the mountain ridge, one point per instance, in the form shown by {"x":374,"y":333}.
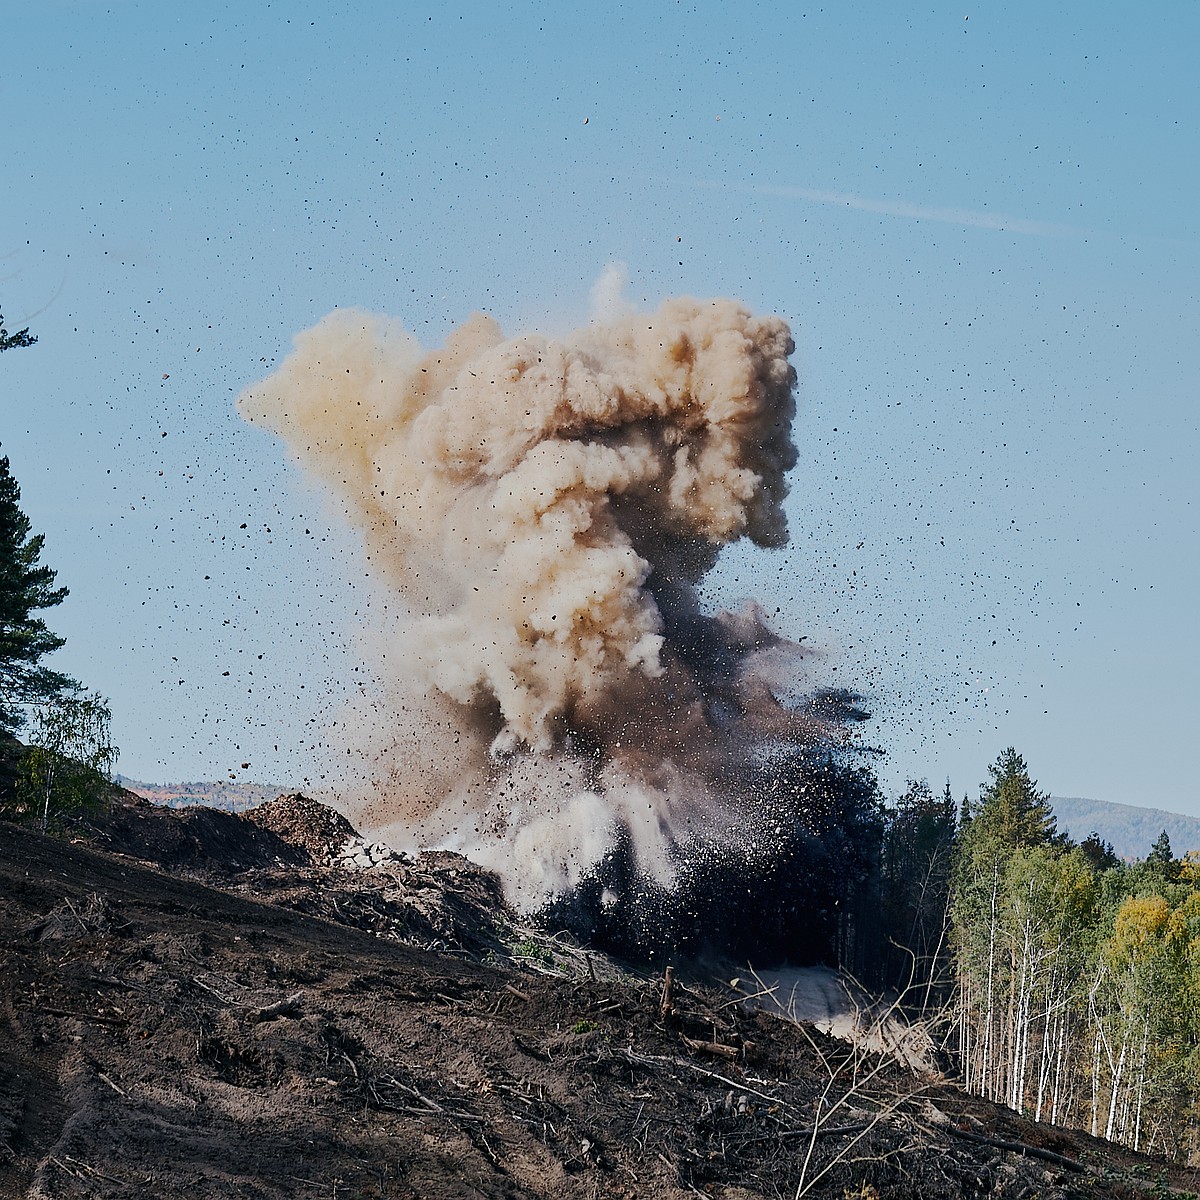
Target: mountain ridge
{"x":1130,"y":828}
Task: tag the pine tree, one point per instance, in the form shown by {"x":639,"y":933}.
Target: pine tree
{"x":1011,"y":810}
{"x":26,"y":586}
{"x":1160,"y":852}
{"x":1099,"y":853}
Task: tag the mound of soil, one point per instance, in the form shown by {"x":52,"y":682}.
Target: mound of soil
{"x":304,"y":824}
{"x":289,"y":852}
{"x":164,"y":1036}
{"x":199,"y":842}
{"x":434,"y":902}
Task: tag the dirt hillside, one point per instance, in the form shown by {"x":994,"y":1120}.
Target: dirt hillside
{"x":326,"y":1019}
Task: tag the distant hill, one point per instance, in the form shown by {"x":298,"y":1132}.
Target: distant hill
{"x":1131,"y":830}
{"x":231,"y":797}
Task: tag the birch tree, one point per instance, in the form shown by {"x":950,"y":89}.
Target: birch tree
{"x":68,"y":763}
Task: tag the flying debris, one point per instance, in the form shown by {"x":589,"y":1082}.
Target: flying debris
{"x":538,"y":514}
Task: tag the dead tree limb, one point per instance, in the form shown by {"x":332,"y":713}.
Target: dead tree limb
{"x":292,"y":1006}
{"x":1023,"y":1148}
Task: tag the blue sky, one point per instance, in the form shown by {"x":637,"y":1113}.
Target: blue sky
{"x":981,"y":225}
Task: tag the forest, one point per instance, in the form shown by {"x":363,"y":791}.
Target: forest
{"x":1058,"y":979}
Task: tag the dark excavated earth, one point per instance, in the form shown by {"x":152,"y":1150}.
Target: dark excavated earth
{"x":196,"y":1004}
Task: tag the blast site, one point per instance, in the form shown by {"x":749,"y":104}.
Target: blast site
{"x":569,"y":921}
{"x":551,"y":699}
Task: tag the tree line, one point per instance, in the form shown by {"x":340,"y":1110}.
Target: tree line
{"x":1063,"y":982}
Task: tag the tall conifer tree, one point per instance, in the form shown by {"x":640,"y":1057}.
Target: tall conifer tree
{"x":1011,"y":810}
{"x":26,"y":587}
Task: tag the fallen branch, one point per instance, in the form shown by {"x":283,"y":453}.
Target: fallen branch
{"x":212,"y":991}
{"x":290,"y":1007}
{"x":717,"y":1049}
{"x":822,"y":1132}
{"x":655,"y":1060}
{"x":105,"y":1079}
{"x":316,"y":1183}
{"x":1022,"y":1148}
{"x":75,"y":912}
{"x":431,"y":1105}
{"x":77,"y":1167}
{"x":112,"y":981}
{"x":66,"y":1012}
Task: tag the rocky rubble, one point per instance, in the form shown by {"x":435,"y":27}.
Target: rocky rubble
{"x":367,"y":856}
{"x":305,"y":825}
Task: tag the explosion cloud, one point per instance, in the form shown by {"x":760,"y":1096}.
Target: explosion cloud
{"x":538,"y":514}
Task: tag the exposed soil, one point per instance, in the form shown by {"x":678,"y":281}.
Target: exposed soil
{"x":180,"y":1026}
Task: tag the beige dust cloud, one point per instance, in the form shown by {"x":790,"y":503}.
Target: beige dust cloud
{"x":538,"y":512}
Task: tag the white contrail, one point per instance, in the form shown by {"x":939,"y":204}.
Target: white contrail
{"x":965,"y":217}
